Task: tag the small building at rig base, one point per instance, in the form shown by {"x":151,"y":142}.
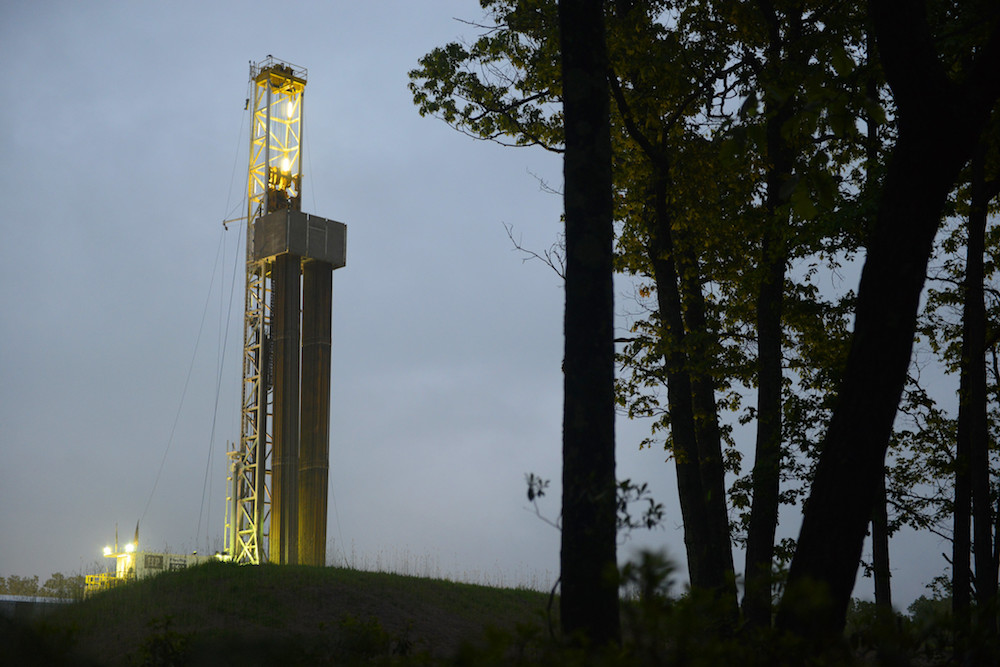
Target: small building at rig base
{"x":132,"y":564}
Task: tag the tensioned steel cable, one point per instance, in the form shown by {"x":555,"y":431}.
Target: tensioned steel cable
{"x":224,"y":333}
{"x":187,"y":380}
{"x":194,"y":355}
{"x":206,"y":484}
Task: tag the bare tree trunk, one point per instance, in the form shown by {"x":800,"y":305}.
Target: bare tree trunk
{"x":880,"y":553}
{"x":683,"y":436}
{"x":767,"y":456}
{"x":779,"y":110}
{"x":693,"y":414}
{"x":706,"y":423}
{"x":961,"y":544}
{"x":880,"y":518}
{"x":939,"y":124}
{"x":974,"y":400}
{"x":589,"y":602}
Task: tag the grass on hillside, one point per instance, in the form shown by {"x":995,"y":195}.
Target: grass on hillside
{"x":224,"y":614}
{"x":221,"y":613}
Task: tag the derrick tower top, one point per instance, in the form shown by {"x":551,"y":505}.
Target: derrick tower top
{"x":275,"y":179}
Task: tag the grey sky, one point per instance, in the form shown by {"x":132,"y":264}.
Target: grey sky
{"x":124,"y":153}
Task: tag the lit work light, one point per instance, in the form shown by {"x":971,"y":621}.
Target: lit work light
{"x":275,"y":144}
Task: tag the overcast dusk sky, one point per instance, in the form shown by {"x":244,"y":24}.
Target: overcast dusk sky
{"x":125,"y":142}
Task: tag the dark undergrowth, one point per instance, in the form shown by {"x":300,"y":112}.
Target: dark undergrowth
{"x":219,"y":614}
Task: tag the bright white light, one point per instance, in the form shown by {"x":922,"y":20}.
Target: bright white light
{"x":285,"y":165}
{"x":290,"y":109}
{"x":107,"y":551}
{"x":130,"y":547}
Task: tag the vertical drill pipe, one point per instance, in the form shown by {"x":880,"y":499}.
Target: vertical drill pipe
{"x":314,"y":455}
{"x":285,"y":452}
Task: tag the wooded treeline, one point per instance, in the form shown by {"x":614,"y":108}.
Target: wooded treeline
{"x":732,"y":157}
{"x":56,"y":586}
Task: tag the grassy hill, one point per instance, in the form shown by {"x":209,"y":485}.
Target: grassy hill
{"x":223,"y":614}
{"x":278,"y":615}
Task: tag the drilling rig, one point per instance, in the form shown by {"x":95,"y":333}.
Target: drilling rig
{"x":278,"y":471}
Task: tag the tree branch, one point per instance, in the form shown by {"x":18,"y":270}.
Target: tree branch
{"x":551,"y":257}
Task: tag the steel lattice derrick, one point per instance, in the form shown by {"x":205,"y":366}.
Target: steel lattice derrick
{"x":284,"y":430}
{"x":248,"y":467}
{"x":273,"y":182}
{"x":248,"y":534}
